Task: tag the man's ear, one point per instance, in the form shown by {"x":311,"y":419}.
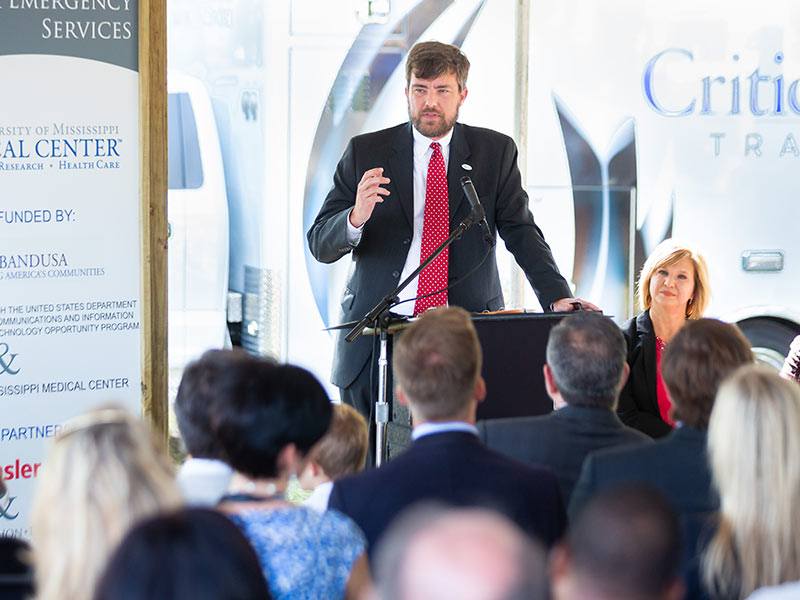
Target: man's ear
{"x":625,"y":374}
{"x":549,"y":381}
{"x":463,"y":96}
{"x":675,"y":590}
{"x":558,"y":565}
{"x":401,"y":397}
{"x":289,"y":459}
{"x":480,"y":389}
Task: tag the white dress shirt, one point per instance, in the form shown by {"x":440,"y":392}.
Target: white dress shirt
{"x":318,"y":500}
{"x":422,"y":156}
{"x":442,"y":427}
{"x":203,"y":481}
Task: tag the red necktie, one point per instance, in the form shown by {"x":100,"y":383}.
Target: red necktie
{"x":435,"y":229}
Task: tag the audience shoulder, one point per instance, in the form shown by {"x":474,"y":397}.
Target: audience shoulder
{"x":607,"y":467}
{"x":493,"y":430}
{"x":619,"y":459}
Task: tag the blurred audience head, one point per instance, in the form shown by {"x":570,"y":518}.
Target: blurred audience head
{"x":624,"y":545}
{"x":586,"y":359}
{"x":196,"y":396}
{"x":16,"y":571}
{"x":437,"y":365}
{"x":754,"y":445}
{"x":341,"y":451}
{"x":666,"y":254}
{"x":193,"y":554}
{"x":269,"y":417}
{"x":103,"y":474}
{"x":433,"y":553}
{"x":695,"y":362}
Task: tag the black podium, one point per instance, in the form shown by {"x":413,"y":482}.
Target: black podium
{"x":513,"y":356}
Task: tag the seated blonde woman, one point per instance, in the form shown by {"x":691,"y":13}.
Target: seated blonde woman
{"x":673,"y":287}
{"x":102,"y":475}
{"x":754,"y":445}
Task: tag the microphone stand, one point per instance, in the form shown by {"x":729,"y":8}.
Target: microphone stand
{"x":379,"y":318}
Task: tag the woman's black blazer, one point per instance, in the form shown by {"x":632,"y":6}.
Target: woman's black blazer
{"x":638,"y":401}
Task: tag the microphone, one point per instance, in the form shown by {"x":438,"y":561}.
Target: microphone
{"x":477,"y":208}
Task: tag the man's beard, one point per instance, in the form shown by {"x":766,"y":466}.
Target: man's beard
{"x":433,"y":129}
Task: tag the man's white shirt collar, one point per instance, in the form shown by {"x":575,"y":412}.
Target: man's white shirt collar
{"x":422,"y":144}
{"x":445,"y":427}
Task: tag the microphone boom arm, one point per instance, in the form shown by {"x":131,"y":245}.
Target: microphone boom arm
{"x":391,"y":298}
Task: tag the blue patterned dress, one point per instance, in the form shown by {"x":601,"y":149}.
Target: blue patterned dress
{"x":304,"y":554}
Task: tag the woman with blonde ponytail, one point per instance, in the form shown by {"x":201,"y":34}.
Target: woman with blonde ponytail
{"x":754,"y":450}
{"x":103,"y":475}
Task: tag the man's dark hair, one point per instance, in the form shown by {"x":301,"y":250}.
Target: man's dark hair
{"x":196,"y":395}
{"x":429,"y":60}
{"x":586,"y":353}
{"x":699,"y":357}
{"x":627,"y":541}
{"x":262,"y":408}
{"x":193,"y":554}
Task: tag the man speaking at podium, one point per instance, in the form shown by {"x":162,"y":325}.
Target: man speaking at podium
{"x":396,"y":195}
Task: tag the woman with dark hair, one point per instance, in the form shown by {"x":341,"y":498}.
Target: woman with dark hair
{"x":268,"y":419}
{"x":673,"y":287}
{"x":193,"y":554}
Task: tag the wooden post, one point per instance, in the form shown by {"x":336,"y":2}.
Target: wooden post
{"x":153,"y":213}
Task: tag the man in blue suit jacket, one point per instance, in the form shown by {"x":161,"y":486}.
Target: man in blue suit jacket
{"x":437,"y":365}
{"x":584,"y":373}
{"x":375,"y":209}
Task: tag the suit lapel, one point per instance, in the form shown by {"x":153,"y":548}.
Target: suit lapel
{"x":644,"y":324}
{"x":401,"y":167}
{"x":459,"y":153}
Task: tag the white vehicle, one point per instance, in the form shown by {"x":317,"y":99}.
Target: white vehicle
{"x":698,"y":118}
{"x":197,"y":208}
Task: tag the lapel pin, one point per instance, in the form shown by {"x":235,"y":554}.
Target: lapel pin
{"x":466,"y":167}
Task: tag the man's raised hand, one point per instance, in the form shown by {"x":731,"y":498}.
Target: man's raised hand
{"x":369,"y":193}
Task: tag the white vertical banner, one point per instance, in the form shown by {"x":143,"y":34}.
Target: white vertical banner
{"x":70,"y":333}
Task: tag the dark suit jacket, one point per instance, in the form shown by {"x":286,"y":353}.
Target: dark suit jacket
{"x":559,"y":441}
{"x":677,"y":467}
{"x":452,"y":468}
{"x":380,"y":256}
{"x":638,"y":401}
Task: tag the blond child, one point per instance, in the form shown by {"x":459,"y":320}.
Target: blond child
{"x":341,"y":452}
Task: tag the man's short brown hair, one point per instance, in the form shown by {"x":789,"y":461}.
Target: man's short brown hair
{"x":437,"y":362}
{"x":699,"y":357}
{"x":429,"y":60}
{"x":343,"y":449}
